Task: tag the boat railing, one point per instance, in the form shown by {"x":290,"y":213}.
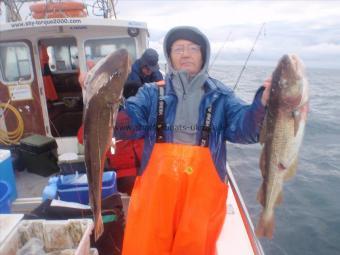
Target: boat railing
{"x":256,"y":245}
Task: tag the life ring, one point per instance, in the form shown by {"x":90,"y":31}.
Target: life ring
{"x":62,"y":6}
{"x":59,"y":14}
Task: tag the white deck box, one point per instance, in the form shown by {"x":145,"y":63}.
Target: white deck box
{"x":56,"y":235}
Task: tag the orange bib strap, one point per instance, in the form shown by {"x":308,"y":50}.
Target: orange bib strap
{"x":178,"y":205}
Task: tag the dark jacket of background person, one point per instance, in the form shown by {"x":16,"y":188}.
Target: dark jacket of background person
{"x":149,"y":59}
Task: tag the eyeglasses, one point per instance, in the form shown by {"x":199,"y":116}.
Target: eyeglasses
{"x":192,"y":49}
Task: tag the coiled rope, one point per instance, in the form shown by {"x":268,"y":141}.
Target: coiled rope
{"x":11,"y":137}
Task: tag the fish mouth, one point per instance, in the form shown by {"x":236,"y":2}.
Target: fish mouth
{"x":292,"y":67}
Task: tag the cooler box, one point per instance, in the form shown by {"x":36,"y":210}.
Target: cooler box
{"x":5,"y":201}
{"x":7,"y":173}
{"x":39,"y":154}
{"x":74,"y":187}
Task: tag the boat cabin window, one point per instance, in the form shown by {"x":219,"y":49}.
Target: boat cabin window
{"x":15,"y":63}
{"x":95,"y":49}
{"x":59,"y":64}
{"x":63,"y":54}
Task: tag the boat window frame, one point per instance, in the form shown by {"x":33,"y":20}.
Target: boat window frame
{"x":112,"y":38}
{"x":19,"y":81}
{"x":61,"y":38}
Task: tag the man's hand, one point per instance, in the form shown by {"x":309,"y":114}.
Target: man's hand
{"x":265,"y":96}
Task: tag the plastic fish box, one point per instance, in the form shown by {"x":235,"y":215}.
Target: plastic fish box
{"x":74,"y":187}
{"x":39,"y":154}
{"x":54,"y":235}
{"x":7,"y":173}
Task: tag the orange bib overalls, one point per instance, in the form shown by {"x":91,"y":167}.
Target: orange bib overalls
{"x":178,"y":205}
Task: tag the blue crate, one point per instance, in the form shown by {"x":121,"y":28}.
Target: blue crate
{"x":74,"y":187}
{"x":5,"y":199}
{"x":7,"y":172}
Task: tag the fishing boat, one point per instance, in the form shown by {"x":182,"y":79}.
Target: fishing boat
{"x":41,"y":59}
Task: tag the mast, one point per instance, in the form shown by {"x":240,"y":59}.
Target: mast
{"x":13,"y":9}
{"x":105,"y":8}
{"x":112,"y":11}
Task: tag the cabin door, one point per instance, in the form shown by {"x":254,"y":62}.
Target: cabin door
{"x":63,"y":93}
{"x":21,"y":112}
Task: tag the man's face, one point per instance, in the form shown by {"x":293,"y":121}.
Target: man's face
{"x":146,"y":71}
{"x":186,"y":55}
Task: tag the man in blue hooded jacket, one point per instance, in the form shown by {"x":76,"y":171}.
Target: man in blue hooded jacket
{"x":145,"y":69}
{"x":178,"y":201}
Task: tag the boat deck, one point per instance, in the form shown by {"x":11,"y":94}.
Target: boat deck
{"x":237,"y":236}
{"x":29,"y":191}
{"x":30,"y":184}
{"x":234,"y":237}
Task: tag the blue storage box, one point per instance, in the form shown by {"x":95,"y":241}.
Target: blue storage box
{"x":5,"y":201}
{"x":74,"y":187}
{"x":7,"y":173}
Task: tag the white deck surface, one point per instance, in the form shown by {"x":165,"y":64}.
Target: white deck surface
{"x":233,"y":239}
{"x":30,"y":184}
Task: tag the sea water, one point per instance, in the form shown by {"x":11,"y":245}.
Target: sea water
{"x":308,"y":220}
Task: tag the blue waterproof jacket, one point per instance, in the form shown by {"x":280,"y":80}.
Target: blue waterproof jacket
{"x":232,"y":119}
{"x":137,"y":75}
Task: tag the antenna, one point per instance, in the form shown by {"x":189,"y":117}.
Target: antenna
{"x":106,"y":8}
{"x":13,"y":9}
{"x":251,"y":51}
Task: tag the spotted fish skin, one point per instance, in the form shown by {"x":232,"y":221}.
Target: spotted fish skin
{"x":281,"y":136}
{"x":103,"y":91}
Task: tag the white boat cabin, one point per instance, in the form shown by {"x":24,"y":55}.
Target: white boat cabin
{"x":68,"y":46}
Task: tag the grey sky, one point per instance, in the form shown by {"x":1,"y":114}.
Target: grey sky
{"x":308,"y":28}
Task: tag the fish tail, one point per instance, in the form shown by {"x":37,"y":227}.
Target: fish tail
{"x":98,"y":227}
{"x":265,"y":226}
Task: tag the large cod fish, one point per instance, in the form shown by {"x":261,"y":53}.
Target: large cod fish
{"x":281,"y":136}
{"x":104,"y":85}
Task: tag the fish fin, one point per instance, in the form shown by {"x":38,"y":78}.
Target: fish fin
{"x":297,"y":119}
{"x":261,"y":195}
{"x":291,"y":171}
{"x":263,"y":131}
{"x":262,"y":162}
{"x":265,"y":227}
{"x":98,"y":227}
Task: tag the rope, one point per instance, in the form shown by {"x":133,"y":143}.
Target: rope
{"x":11,"y":137}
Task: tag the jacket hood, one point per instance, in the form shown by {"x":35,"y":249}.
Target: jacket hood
{"x":189,"y":33}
